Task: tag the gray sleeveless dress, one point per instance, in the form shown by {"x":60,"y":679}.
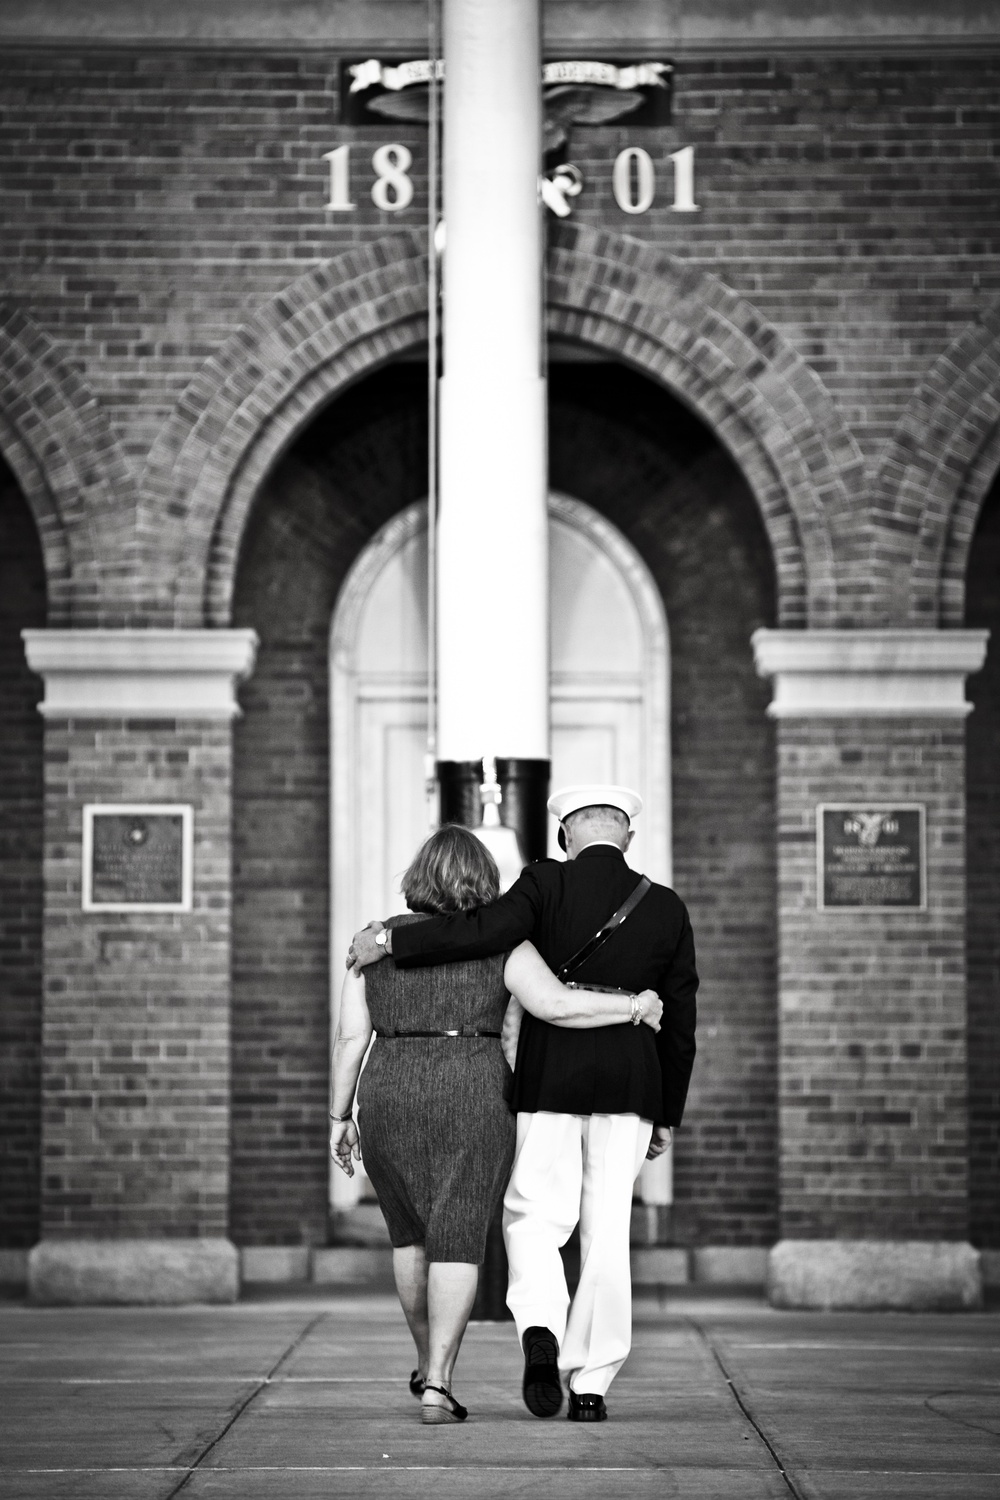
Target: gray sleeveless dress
{"x":437,"y":1136}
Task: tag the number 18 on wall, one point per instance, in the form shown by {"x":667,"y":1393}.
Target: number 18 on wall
{"x":392,"y":189}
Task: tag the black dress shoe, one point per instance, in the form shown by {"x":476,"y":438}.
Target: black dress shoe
{"x":584,"y":1407}
{"x":541,"y":1387}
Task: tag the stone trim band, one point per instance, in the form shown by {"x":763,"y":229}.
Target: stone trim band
{"x":868,"y":674}
{"x":179,"y":674}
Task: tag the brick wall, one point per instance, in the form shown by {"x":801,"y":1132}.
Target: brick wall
{"x":155,"y":200}
{"x":872,"y":1023}
{"x":851,"y":198}
{"x":362,"y":460}
{"x":136,"y":1030}
{"x":156,"y":197}
{"x":22,"y":603}
{"x":621,"y":444}
{"x":983,"y":884}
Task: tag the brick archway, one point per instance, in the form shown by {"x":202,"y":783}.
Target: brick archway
{"x":715,"y":351}
{"x":337,"y":322}
{"x":66,"y":459}
{"x":331,"y":326}
{"x":940,"y":464}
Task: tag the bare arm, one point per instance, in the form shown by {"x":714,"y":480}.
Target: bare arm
{"x":532,"y":982}
{"x":354,"y":1032}
{"x":511,"y":1030}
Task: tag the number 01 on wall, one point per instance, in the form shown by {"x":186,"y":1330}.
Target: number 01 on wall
{"x":633,"y":180}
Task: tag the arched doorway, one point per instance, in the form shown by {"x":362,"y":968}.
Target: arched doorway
{"x":635,"y":456}
{"x":22,"y":603}
{"x":983,"y":881}
{"x":609,"y":674}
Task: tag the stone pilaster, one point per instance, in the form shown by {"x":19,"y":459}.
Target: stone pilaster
{"x":135,"y":1090}
{"x":872,"y":1069}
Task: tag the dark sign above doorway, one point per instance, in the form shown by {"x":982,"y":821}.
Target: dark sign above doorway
{"x":576,"y":91}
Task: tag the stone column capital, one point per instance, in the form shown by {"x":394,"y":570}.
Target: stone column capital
{"x":176,"y":674}
{"x":873,"y":674}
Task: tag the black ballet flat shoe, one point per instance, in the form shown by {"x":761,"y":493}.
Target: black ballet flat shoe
{"x":584,"y":1407}
{"x":541,"y":1387}
{"x":433,"y":1415}
{"x":417,"y":1383}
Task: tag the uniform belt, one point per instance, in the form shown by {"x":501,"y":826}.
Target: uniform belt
{"x":392,"y":1035}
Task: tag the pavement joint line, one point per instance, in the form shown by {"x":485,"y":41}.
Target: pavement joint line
{"x":561,"y":1465}
{"x":511,"y":1469}
{"x":743,"y":1406}
{"x":862,"y":1348}
{"x":948,"y":1416}
{"x":300,"y":1338}
{"x":200,"y":1380}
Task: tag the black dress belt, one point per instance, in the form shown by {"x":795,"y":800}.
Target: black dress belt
{"x":391,"y":1035}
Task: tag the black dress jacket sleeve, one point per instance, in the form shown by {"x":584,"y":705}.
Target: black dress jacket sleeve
{"x":558,"y":906}
{"x":675,"y":1040}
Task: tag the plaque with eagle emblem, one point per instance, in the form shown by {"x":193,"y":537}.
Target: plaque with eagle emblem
{"x":871,"y":857}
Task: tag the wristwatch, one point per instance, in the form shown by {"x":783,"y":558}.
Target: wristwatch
{"x":381,"y":938}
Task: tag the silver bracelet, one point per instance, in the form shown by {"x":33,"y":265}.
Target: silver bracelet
{"x":636,"y":1015}
{"x":340,"y":1119}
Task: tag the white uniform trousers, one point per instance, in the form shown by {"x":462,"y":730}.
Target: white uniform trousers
{"x":569,"y":1168}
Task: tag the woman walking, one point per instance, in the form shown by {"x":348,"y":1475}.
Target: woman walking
{"x":438,"y":1134}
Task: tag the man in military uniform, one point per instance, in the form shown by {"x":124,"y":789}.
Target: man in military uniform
{"x":591,"y":1104}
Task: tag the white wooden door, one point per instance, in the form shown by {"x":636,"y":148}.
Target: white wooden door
{"x":609,"y":718}
{"x":392,"y":739}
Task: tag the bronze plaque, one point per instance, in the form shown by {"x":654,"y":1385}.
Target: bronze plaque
{"x":870,"y":857}
{"x":137,"y":858}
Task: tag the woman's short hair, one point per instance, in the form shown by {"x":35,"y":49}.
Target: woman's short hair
{"x":452,"y":871}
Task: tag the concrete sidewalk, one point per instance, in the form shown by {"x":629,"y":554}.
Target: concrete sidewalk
{"x":282,"y":1399}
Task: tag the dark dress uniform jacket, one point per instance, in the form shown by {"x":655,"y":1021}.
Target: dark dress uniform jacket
{"x":559,"y":905}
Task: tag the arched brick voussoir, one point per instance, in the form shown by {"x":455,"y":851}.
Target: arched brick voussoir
{"x":343,"y":318}
{"x":729,"y":425}
{"x":721,"y":356}
{"x":57,"y":440}
{"x":254,"y":395}
{"x":328,"y":378}
{"x":935,"y":474}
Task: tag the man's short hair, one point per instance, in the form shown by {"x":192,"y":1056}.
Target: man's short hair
{"x":600,"y":820}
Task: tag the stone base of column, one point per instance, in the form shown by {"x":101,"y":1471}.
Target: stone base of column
{"x":133,"y":1272}
{"x":911,"y":1275}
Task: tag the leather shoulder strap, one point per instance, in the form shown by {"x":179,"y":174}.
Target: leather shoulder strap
{"x":590,"y":947}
